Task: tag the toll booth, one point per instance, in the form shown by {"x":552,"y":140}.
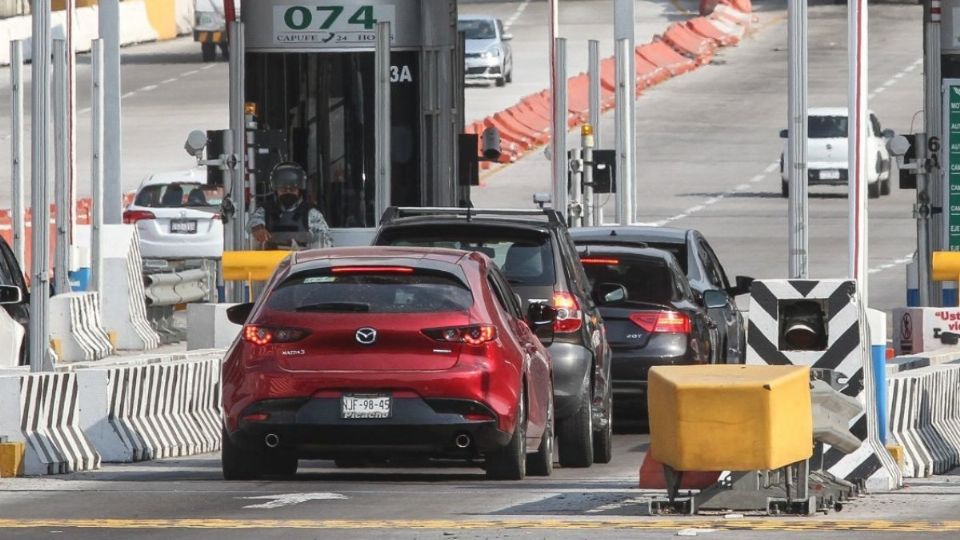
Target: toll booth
{"x":312,"y":96}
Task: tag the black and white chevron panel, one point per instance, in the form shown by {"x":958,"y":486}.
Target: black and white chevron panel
{"x":925,"y":418}
{"x":165,"y":410}
{"x":847,"y":352}
{"x":50,"y":425}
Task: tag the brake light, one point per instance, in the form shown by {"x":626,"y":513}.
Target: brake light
{"x":470,"y":335}
{"x":371,"y":270}
{"x":569,"y":316}
{"x":605,"y":262}
{"x":261,"y":335}
{"x":662,"y":322}
{"x":132,"y":216}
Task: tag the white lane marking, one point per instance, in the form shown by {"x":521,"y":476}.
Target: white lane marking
{"x":168,"y":81}
{"x":149,"y":88}
{"x":694,"y":209}
{"x":892,"y":264}
{"x":289,"y":499}
{"x":772,"y":167}
{"x":713,"y":200}
{"x":516,"y":14}
{"x":128,"y":94}
{"x":891,"y":82}
{"x":742,"y":187}
{"x":758,"y":178}
{"x":210,"y":66}
{"x":189,"y":73}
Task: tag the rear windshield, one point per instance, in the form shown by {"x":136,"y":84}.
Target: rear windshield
{"x":646,"y":280}
{"x":477,"y":29}
{"x":827,"y":127}
{"x":679,"y":252}
{"x":323,"y":292}
{"x":177,"y":195}
{"x":525,"y":261}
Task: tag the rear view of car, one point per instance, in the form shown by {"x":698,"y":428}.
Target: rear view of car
{"x":364,"y":353}
{"x":177,"y":217}
{"x":657,"y":323}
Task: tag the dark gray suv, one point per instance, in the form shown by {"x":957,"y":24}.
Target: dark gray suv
{"x":539,"y":259}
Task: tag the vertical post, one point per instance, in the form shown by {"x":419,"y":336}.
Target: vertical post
{"x":857,"y":146}
{"x":109,"y":21}
{"x":40,"y":192}
{"x":586,"y":144}
{"x":623,"y":28}
{"x":796,"y":158}
{"x":61,"y":190}
{"x":624,"y":181}
{"x":931,"y":187}
{"x":96,"y":166}
{"x":593,"y":75}
{"x":574,"y":204}
{"x":71,"y":117}
{"x":559,"y":128}
{"x":238,"y":173}
{"x":16,"y":147}
{"x":382,"y":195}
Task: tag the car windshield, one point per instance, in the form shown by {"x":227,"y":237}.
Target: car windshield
{"x":646,"y":280}
{"x":525,"y":260}
{"x":826,"y":127}
{"x":477,"y":29}
{"x":415,"y":292}
{"x":179,"y":195}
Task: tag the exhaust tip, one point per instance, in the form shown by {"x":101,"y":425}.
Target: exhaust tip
{"x":462,"y":441}
{"x":272,"y":440}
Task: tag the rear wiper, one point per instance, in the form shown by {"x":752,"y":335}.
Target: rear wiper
{"x":355,"y":307}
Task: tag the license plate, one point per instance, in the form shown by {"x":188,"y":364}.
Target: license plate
{"x":830,"y":175}
{"x":183,"y":226}
{"x":365,"y":406}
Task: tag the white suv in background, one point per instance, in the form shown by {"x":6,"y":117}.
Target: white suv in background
{"x":177,"y":216}
{"x":827,"y":152}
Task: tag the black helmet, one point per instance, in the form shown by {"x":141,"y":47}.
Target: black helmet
{"x":288,"y":174}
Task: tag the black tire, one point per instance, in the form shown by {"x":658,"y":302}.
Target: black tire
{"x":885,"y":186}
{"x":575,"y":433}
{"x":225,"y":51}
{"x":509,"y":76}
{"x":208,"y":51}
{"x":238,"y":464}
{"x":873,"y":190}
{"x":501,"y":82}
{"x":510,"y":462}
{"x":784,"y":189}
{"x":603,"y":439}
{"x":541,"y":463}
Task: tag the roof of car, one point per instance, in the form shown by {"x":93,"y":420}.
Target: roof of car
{"x":829,"y":111}
{"x":651,"y":253}
{"x":190,"y":176}
{"x":476,"y":18}
{"x":531,"y":219}
{"x":632,"y":233}
{"x":385,"y":254}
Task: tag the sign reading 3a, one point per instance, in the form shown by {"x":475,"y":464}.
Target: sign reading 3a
{"x":330,"y":25}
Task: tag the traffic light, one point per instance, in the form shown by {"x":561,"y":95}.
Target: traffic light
{"x":802,"y":326}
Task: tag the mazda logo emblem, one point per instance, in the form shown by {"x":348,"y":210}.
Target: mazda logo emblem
{"x":366,"y":336}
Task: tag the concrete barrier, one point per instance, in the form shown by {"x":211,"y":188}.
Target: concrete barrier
{"x":925,"y":418}
{"x":11,"y":335}
{"x":124,"y":309}
{"x":76,"y":328}
{"x":209,"y":328}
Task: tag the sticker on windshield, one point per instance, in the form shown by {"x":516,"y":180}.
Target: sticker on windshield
{"x":321,"y":279}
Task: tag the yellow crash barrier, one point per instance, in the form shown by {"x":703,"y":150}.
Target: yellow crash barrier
{"x":11,"y":459}
{"x":945,"y":266}
{"x":251,"y":265}
{"x":730,"y":417}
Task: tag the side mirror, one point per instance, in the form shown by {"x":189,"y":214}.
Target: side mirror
{"x":10,"y":294}
{"x":239,"y":313}
{"x":196,"y":142}
{"x":888,"y":133}
{"x":784,"y":134}
{"x":714,"y":299}
{"x":742,"y":286}
{"x":507,"y":37}
{"x":609,"y":293}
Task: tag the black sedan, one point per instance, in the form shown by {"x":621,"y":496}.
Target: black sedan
{"x":658,"y":322}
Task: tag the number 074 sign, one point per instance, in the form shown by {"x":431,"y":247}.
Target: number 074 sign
{"x":330,"y":25}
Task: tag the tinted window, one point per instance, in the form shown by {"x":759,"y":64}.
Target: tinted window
{"x":646,"y":280}
{"x":322,"y":292}
{"x":679,"y":252}
{"x":524,"y":260}
{"x":477,"y":29}
{"x":712,"y":264}
{"x":826,"y":127}
{"x":178,"y":195}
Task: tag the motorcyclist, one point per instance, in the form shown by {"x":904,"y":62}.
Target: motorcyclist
{"x":286,"y":220}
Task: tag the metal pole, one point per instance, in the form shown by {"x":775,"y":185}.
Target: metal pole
{"x":40,"y":188}
{"x":931,"y":187}
{"x":16,"y":148}
{"x":857,"y":178}
{"x":624,"y":182}
{"x":61,"y":191}
{"x":559,"y":127}
{"x":574,"y":206}
{"x":922,"y":213}
{"x":382,"y":194}
{"x":237,"y":152}
{"x":96,"y":166}
{"x":109,"y":17}
{"x":71,"y":128}
{"x":796,"y":158}
{"x":623,"y":28}
{"x":587,"y":144}
{"x":593,"y":71}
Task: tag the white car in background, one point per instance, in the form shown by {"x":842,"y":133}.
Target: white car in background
{"x":488,"y":54}
{"x":827,"y":152}
{"x":177,"y":216}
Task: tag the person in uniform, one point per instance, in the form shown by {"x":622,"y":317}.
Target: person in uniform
{"x":286,"y":220}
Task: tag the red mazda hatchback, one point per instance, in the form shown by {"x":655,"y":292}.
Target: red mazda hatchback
{"x":382,"y":353}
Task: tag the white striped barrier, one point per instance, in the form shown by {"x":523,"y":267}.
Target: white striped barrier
{"x":76,"y":327}
{"x":123,"y":305}
{"x":925,"y":418}
{"x":43,"y":411}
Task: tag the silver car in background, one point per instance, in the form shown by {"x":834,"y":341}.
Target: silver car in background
{"x":489,"y":56}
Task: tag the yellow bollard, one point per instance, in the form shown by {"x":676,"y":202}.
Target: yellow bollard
{"x":11,"y":459}
{"x":945,"y":266}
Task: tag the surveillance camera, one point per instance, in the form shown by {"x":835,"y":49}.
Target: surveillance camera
{"x":196,"y":142}
{"x":491,"y":144}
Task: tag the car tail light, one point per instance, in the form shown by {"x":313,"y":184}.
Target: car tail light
{"x":262,"y":335}
{"x":470,"y":335}
{"x":371,"y":270}
{"x":662,"y":322}
{"x":605,"y":262}
{"x":569,"y":316}
{"x":132,"y":216}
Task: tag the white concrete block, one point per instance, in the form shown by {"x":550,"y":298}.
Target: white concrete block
{"x":11,"y":335}
{"x":209,"y":328}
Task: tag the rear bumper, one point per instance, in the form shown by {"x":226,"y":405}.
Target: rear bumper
{"x":210,"y":36}
{"x":630,"y":368}
{"x":313,"y":428}
{"x":188,"y":248}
